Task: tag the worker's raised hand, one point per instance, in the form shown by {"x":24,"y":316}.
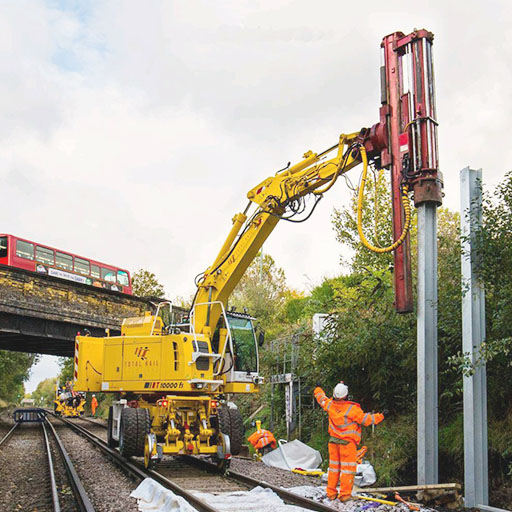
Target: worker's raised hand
{"x":378,"y":417}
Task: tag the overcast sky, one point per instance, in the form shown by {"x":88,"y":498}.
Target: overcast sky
{"x":131,"y":131}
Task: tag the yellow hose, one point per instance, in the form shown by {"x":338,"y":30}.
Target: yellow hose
{"x":405,"y":203}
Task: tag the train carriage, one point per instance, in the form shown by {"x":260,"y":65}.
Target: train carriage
{"x":42,"y":259}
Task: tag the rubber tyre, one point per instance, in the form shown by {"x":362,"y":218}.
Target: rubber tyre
{"x":143,"y":429}
{"x":237,"y":431}
{"x":110,"y":440}
{"x":231,"y":423}
{"x":128,"y":439}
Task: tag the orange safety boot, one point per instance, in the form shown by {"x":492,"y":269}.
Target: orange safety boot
{"x":345,"y":498}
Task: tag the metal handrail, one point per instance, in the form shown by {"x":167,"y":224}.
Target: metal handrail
{"x":163,"y":303}
{"x":230,"y":339}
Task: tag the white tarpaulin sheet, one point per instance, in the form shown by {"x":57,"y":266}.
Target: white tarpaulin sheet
{"x":294,"y":454}
{"x":153,"y":497}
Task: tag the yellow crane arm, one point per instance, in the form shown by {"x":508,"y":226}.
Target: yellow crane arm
{"x":277,"y":197}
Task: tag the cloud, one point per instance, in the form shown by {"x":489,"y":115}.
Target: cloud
{"x":131,"y":135}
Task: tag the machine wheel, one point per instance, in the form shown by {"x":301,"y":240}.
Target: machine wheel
{"x":143,"y":429}
{"x":223,"y":464}
{"x":236,"y":434}
{"x":149,"y":446}
{"x":231,"y":423}
{"x":110,"y":424}
{"x":134,"y":427}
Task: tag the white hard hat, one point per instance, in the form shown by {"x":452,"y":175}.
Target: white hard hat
{"x":340,"y":391}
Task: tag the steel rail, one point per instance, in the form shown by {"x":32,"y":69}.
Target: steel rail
{"x":53,"y":483}
{"x":89,"y":420}
{"x":287,"y":496}
{"x":9,"y":434}
{"x":137,"y":471}
{"x":84,"y":503}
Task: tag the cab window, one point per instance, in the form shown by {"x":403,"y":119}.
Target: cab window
{"x":64,"y":261}
{"x":122,"y":278}
{"x":3,"y":246}
{"x":44,"y":255}
{"x":244,"y":344}
{"x":108,"y":275}
{"x":81,"y":266}
{"x":95,"y":271}
{"x":24,"y":250}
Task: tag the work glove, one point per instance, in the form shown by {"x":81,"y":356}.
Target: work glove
{"x":385,"y":412}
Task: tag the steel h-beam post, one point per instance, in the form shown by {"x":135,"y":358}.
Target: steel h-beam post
{"x":427,"y":344}
{"x":473,"y":334}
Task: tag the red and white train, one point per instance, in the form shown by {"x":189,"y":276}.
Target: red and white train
{"x":42,"y":259}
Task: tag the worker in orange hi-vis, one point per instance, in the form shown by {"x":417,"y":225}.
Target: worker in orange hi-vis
{"x":94,"y":405}
{"x":262,"y":440}
{"x":345,"y":420}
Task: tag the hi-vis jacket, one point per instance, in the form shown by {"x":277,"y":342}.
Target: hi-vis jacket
{"x":262,"y":438}
{"x":346,"y":418}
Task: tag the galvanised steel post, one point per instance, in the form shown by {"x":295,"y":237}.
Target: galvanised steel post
{"x":473,"y":334}
{"x":427,"y":430}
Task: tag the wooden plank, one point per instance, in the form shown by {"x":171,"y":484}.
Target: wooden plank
{"x":426,"y":487}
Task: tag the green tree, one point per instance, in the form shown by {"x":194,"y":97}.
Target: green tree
{"x":66,"y":365}
{"x":15,"y":370}
{"x":146,"y":284}
{"x":262,"y":291}
{"x":44,"y":394}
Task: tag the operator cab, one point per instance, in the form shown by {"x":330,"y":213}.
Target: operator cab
{"x":244,"y":366}
{"x":244,"y":342}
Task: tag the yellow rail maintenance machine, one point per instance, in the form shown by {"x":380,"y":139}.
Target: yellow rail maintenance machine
{"x":174,"y":381}
{"x":68,"y":403}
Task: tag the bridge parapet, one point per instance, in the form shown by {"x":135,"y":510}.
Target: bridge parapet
{"x":40,"y":313}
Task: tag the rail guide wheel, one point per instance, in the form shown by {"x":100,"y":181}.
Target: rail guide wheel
{"x":223,"y":457}
{"x":152,"y":452}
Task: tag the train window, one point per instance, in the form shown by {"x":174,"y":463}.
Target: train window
{"x":122,"y":278}
{"x":24,"y":250}
{"x":108,"y":275}
{"x":95,"y":271}
{"x":45,"y":255}
{"x":81,"y":266}
{"x":3,"y":246}
{"x":64,"y":261}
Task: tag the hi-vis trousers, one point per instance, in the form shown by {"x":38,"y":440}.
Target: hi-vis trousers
{"x":342,"y":469}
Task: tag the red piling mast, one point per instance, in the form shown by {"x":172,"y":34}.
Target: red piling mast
{"x":406,"y":138}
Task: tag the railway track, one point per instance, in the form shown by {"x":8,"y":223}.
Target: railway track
{"x":24,"y":439}
{"x":185,"y":474}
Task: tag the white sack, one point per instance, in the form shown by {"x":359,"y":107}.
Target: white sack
{"x":294,"y":454}
{"x":365,"y":474}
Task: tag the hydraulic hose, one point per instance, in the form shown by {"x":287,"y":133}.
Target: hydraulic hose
{"x":360,"y":200}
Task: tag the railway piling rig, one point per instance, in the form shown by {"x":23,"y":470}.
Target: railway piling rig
{"x":174,"y":380}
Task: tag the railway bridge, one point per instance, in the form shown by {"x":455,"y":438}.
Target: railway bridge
{"x":42,"y":314}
